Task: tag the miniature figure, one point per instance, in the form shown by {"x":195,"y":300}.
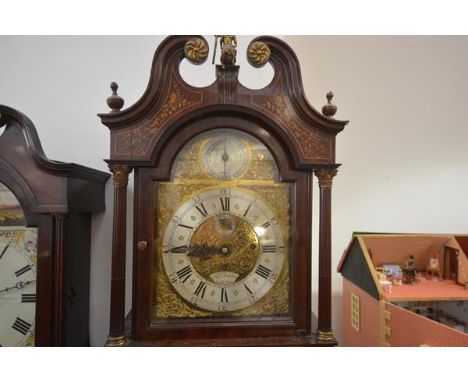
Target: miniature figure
{"x":410,"y":271}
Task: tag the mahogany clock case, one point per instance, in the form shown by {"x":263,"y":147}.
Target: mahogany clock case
{"x":147,"y":225}
{"x":57,"y":198}
{"x":147,"y":137}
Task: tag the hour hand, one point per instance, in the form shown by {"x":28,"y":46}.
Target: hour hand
{"x":202,"y":250}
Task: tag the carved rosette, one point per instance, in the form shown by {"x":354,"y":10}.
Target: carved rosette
{"x":120,"y":174}
{"x":325,"y":177}
{"x":258,"y":53}
{"x":196,"y":50}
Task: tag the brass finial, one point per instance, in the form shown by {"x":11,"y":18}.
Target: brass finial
{"x":196,"y":50}
{"x":258,"y":54}
{"x":228,"y":44}
{"x":115,"y":101}
{"x":329,"y":109}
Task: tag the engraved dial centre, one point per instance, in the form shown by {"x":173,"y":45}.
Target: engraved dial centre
{"x":228,"y":250}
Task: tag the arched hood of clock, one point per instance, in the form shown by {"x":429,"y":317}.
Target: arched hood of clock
{"x":281,"y":108}
{"x":31,"y":176}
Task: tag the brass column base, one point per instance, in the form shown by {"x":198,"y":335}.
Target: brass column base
{"x":116,"y":341}
{"x":325,"y":336}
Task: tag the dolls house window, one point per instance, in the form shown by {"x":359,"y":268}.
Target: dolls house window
{"x":355,"y":319}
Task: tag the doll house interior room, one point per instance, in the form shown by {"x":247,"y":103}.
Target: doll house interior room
{"x":405,"y":290}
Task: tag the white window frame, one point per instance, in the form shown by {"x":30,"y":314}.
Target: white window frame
{"x":355,"y":312}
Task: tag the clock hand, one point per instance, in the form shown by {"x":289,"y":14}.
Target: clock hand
{"x":207,"y":250}
{"x":4,"y":250}
{"x":225,"y":158}
{"x":18,"y":285}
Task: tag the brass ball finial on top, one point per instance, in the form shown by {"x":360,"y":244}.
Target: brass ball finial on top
{"x":115,"y":102}
{"x":329,"y":109}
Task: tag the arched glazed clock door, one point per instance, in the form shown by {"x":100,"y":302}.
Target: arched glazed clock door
{"x":223,"y":204}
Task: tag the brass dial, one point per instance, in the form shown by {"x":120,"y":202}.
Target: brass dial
{"x":223,"y":250}
{"x":223,"y":234}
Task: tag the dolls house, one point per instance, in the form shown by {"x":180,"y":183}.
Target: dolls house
{"x":405,"y":290}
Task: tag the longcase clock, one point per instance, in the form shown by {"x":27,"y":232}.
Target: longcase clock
{"x":45,"y":233}
{"x":223,"y":203}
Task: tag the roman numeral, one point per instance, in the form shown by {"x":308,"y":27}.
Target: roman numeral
{"x":185,"y":226}
{"x":28,"y":298}
{"x":201,"y":208}
{"x":268,"y":223}
{"x":263,"y":271}
{"x":21,"y":326}
{"x":200,"y":291}
{"x":248,"y":290}
{"x":225,"y":203}
{"x":224,"y":297}
{"x":19,"y":272}
{"x":247,"y":210}
{"x":180,"y":249}
{"x":4,"y":250}
{"x":184,"y":272}
{"x":269,"y":248}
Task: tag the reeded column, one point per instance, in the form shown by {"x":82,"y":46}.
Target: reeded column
{"x":59,"y":254}
{"x":325,"y":178}
{"x":116,"y":335}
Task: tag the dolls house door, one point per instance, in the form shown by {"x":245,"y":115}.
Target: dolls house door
{"x":450,"y":264}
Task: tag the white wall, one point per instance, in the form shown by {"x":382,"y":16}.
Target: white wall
{"x":405,"y":164}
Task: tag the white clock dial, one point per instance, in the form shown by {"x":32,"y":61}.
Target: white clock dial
{"x":226,"y":157}
{"x":17,"y":285}
{"x":223,"y":250}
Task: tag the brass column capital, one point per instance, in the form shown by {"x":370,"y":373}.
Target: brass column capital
{"x":120,"y":174}
{"x":325,"y":177}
